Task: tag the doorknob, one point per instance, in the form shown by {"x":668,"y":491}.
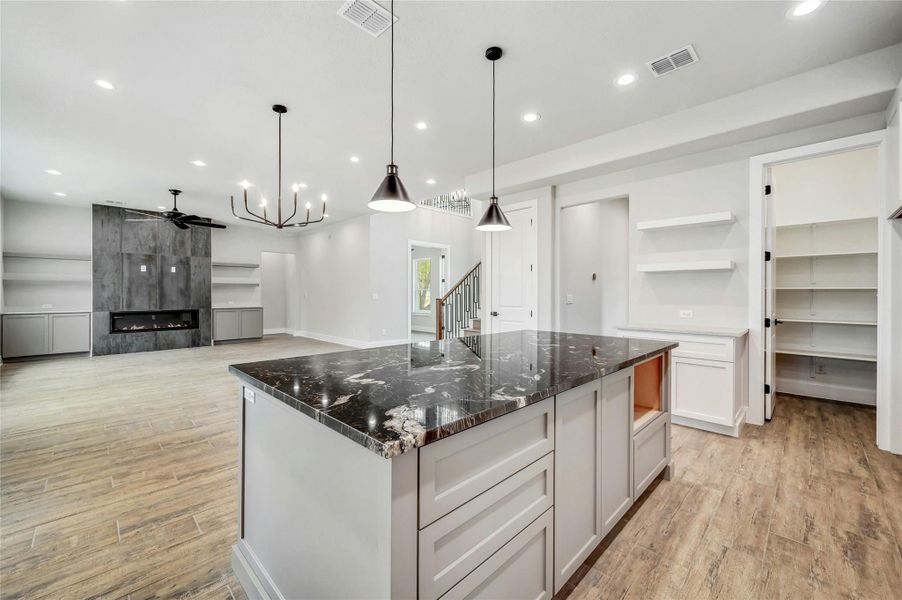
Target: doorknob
{"x":494,"y":313}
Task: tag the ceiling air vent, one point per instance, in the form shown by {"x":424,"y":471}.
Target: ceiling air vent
{"x":367,"y":15}
{"x":671,"y":62}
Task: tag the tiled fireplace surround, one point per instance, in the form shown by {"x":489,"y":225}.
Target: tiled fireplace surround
{"x":148,"y":266}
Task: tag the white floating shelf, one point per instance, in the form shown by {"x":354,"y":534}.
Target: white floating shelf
{"x":237,"y":265}
{"x":48,"y":277}
{"x":33,"y":255}
{"x":717,"y":218}
{"x":829,"y":254}
{"x":698,"y":265}
{"x":825,"y":287}
{"x":830,"y":322}
{"x":825,"y":353}
{"x":234,"y":281}
{"x":836,"y":222}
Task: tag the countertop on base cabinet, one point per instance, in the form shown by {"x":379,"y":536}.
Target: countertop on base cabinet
{"x":461,"y":469}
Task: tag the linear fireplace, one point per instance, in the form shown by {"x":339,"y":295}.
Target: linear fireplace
{"x":136,"y":321}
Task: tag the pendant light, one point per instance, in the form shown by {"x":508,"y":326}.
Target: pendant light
{"x":392,"y":195}
{"x":493,"y":219}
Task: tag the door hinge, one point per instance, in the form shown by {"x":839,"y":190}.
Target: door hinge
{"x":530,"y":221}
{"x":530,"y":268}
{"x":766,"y":388}
{"x":767,"y":190}
{"x":530,"y":314}
{"x":767,"y":256}
{"x":767,"y":321}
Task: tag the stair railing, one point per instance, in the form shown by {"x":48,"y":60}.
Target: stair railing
{"x":454,"y":310}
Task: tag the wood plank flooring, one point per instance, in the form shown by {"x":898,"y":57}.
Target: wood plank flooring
{"x":118,"y":480}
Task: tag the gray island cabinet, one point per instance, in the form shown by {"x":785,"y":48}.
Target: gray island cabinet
{"x":481,"y":467}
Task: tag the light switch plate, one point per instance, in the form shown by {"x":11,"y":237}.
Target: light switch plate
{"x":172,"y":269}
{"x":143,"y":268}
{"x":569,"y":298}
{"x":249,"y":395}
{"x":685,"y":314}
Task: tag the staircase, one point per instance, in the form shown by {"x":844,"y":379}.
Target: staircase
{"x":457,"y":312}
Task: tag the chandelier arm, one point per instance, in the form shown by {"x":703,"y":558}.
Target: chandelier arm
{"x":295,"y":211}
{"x":252,"y":213}
{"x":254,"y":220}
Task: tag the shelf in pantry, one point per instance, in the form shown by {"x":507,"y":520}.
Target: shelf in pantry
{"x":825,"y":287}
{"x":39,"y":256}
{"x":829,"y":254}
{"x":697,"y":265}
{"x":234,"y":281}
{"x":829,"y":322}
{"x":688,"y":221}
{"x":237,"y":265}
{"x":835,"y":222}
{"x":48,"y":277}
{"x":825,"y":353}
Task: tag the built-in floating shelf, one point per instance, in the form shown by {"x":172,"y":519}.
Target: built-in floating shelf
{"x":830,"y":322}
{"x":237,"y":265}
{"x":32,"y":255}
{"x":698,"y":265}
{"x":826,"y":353}
{"x":831,"y":254}
{"x":825,"y":287}
{"x":234,"y":281}
{"x":717,"y":218}
{"x":48,"y":277}
{"x":822,"y":223}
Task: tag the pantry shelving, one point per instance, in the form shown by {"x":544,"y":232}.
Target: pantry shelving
{"x":716,"y":218}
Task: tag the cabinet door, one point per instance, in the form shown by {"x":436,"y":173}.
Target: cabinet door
{"x":577,"y":457}
{"x":702,"y":389}
{"x":25,"y":335}
{"x":226,"y":324}
{"x":70,"y":333}
{"x":251,"y":322}
{"x":616,"y":447}
{"x":521,"y":569}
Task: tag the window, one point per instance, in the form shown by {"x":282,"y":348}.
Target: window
{"x":422,"y":285}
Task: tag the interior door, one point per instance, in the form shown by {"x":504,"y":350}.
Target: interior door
{"x":770,"y":298}
{"x":514,"y":272}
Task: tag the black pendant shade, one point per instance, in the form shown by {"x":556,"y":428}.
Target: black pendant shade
{"x":391,"y":195}
{"x":493,"y":219}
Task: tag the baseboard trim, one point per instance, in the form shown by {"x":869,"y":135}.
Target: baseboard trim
{"x":731,"y":430}
{"x":322,"y":337}
{"x":275,"y":331}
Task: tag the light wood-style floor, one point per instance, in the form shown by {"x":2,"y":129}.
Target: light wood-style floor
{"x":118,"y":480}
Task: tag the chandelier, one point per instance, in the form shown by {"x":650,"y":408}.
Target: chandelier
{"x":264,"y":219}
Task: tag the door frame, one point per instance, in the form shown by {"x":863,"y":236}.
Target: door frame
{"x":487,"y":323}
{"x":758,"y":166}
{"x":446,"y":275}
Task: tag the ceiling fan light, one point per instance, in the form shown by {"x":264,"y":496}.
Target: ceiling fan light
{"x":493,"y":219}
{"x":391,"y":195}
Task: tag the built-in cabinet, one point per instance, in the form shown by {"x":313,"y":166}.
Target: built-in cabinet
{"x":237,"y":324}
{"x":708,"y":375}
{"x":40,"y":334}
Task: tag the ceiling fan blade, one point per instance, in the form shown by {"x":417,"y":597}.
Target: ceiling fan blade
{"x":206,"y":224}
{"x":180,"y":225}
{"x":188,"y":218}
{"x":139,"y":212}
{"x":144,"y":219}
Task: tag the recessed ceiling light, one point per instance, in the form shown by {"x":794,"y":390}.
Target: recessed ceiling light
{"x":626,"y":79}
{"x":430,"y":181}
{"x":355,"y":159}
{"x":161,"y":207}
{"x":531,"y":117}
{"x":198,"y":163}
{"x":245,"y":184}
{"x":805,"y":8}
{"x":105,"y":84}
{"x":422,"y":125}
{"x":301,"y":184}
{"x":52,"y":172}
{"x":63,"y":194}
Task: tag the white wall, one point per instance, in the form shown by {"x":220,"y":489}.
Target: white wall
{"x":246,"y":244}
{"x":420,"y":321}
{"x":593,"y":239}
{"x":275,"y":280}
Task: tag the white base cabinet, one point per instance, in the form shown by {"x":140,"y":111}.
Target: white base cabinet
{"x":237,"y":324}
{"x":40,"y":334}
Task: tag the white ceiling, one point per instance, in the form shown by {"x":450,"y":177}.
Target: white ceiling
{"x":195,"y":80}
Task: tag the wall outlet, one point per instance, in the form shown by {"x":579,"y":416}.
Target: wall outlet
{"x":144,"y":268}
{"x":385,"y":332}
{"x":172,"y":269}
{"x":375,"y":295}
{"x":685,"y":314}
{"x":250,"y":396}
{"x":569,"y":298}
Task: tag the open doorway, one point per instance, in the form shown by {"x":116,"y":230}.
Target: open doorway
{"x":279,"y":292}
{"x":427,"y":281}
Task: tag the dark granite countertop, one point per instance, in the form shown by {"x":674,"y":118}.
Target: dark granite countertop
{"x":396,"y":398}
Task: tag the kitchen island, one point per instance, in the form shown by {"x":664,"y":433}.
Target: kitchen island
{"x":484,"y":466}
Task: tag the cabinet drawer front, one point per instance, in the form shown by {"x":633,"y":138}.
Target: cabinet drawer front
{"x":459,"y":468}
{"x":710,"y":349}
{"x":651,"y":452}
{"x":521,"y":569}
{"x":703,"y":389}
{"x":460,"y":541}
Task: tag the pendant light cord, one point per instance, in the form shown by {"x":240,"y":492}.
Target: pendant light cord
{"x":392,"y":92}
{"x":280,"y":162}
{"x":493,"y":128}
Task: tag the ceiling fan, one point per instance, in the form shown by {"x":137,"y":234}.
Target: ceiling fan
{"x":175,"y":216}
